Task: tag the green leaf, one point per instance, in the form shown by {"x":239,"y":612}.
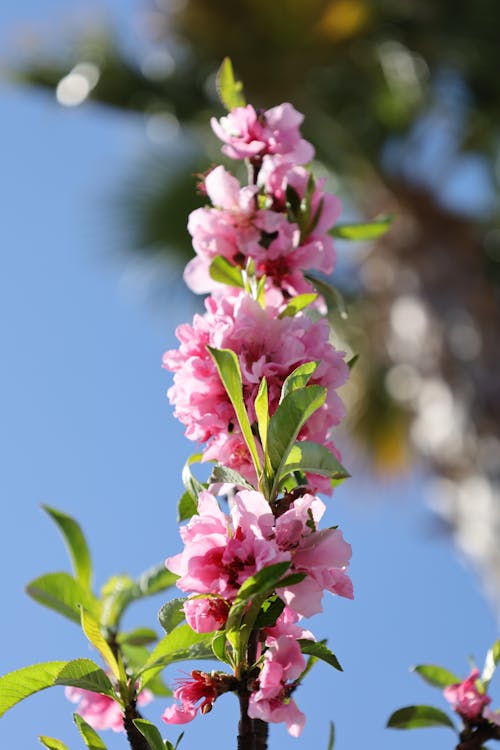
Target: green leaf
{"x":64,"y":594}
{"x":170,"y":746}
{"x":224,"y":272}
{"x":262,"y":411}
{"x":250,"y":267}
{"x":179,"y":738}
{"x":219,"y":646}
{"x":155,"y":580}
{"x":186,"y":507}
{"x":172,"y":614}
{"x":117,"y":593}
{"x":352,"y":361}
{"x":138,"y":637}
{"x":246,"y":607}
{"x":135,"y":656}
{"x":91,"y":629}
{"x":490,"y":664}
{"x":192,"y":485}
{"x":22,"y":683}
{"x":179,"y":645}
{"x":52,"y":743}
{"x":264,"y":581}
{"x":76,"y":544}
{"x":286,"y":423}
{"x":15,"y":686}
{"x":363,"y":231}
{"x":320,"y":651}
{"x":333,"y":298}
{"x":297,"y":304}
{"x":299,"y":210}
{"x":229,"y":371}
{"x":90,"y":736}
{"x":120,"y":591}
{"x":416,"y":717}
{"x":229,"y":90}
{"x":313,"y":458}
{"x":269,"y":612}
{"x":260,"y":292}
{"x":337,"y":482}
{"x":312,"y":223}
{"x":291,"y":580}
{"x":299,"y":378}
{"x":436,"y":676}
{"x":228,"y":476}
{"x":311,"y":185}
{"x":86,"y":674}
{"x":331,"y":737}
{"x":151,"y":734}
{"x":256,"y":588}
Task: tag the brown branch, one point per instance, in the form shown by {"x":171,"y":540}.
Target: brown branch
{"x":476,"y":733}
{"x":261,"y":731}
{"x":252,"y":733}
{"x":245,"y":725}
{"x":136,"y":740}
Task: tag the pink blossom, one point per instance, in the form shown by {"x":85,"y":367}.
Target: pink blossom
{"x":206,"y":614}
{"x":298,"y":521}
{"x":265,"y":345}
{"x":101,"y":711}
{"x":277,"y":710}
{"x":271,"y":702}
{"x":219,"y":556}
{"x":190,"y":691}
{"x":280,"y":258}
{"x":230,"y":449}
{"x":221,"y":552}
{"x":250,"y":134}
{"x":323,"y":555}
{"x":283,"y":661}
{"x":232,"y":229}
{"x":465,"y":697}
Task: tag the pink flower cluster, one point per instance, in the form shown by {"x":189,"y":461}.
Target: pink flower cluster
{"x":222,"y":551}
{"x":278,"y":678}
{"x":267,"y":346}
{"x":101,"y":711}
{"x":469,"y":701}
{"x":274,"y":229}
{"x":237,"y":229}
{"x":248,"y":134}
{"x":254,"y":221}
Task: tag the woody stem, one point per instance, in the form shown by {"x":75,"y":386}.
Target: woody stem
{"x":252,"y":733}
{"x":136,"y":740}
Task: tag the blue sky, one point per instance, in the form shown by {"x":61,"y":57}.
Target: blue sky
{"x":86,"y":428}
